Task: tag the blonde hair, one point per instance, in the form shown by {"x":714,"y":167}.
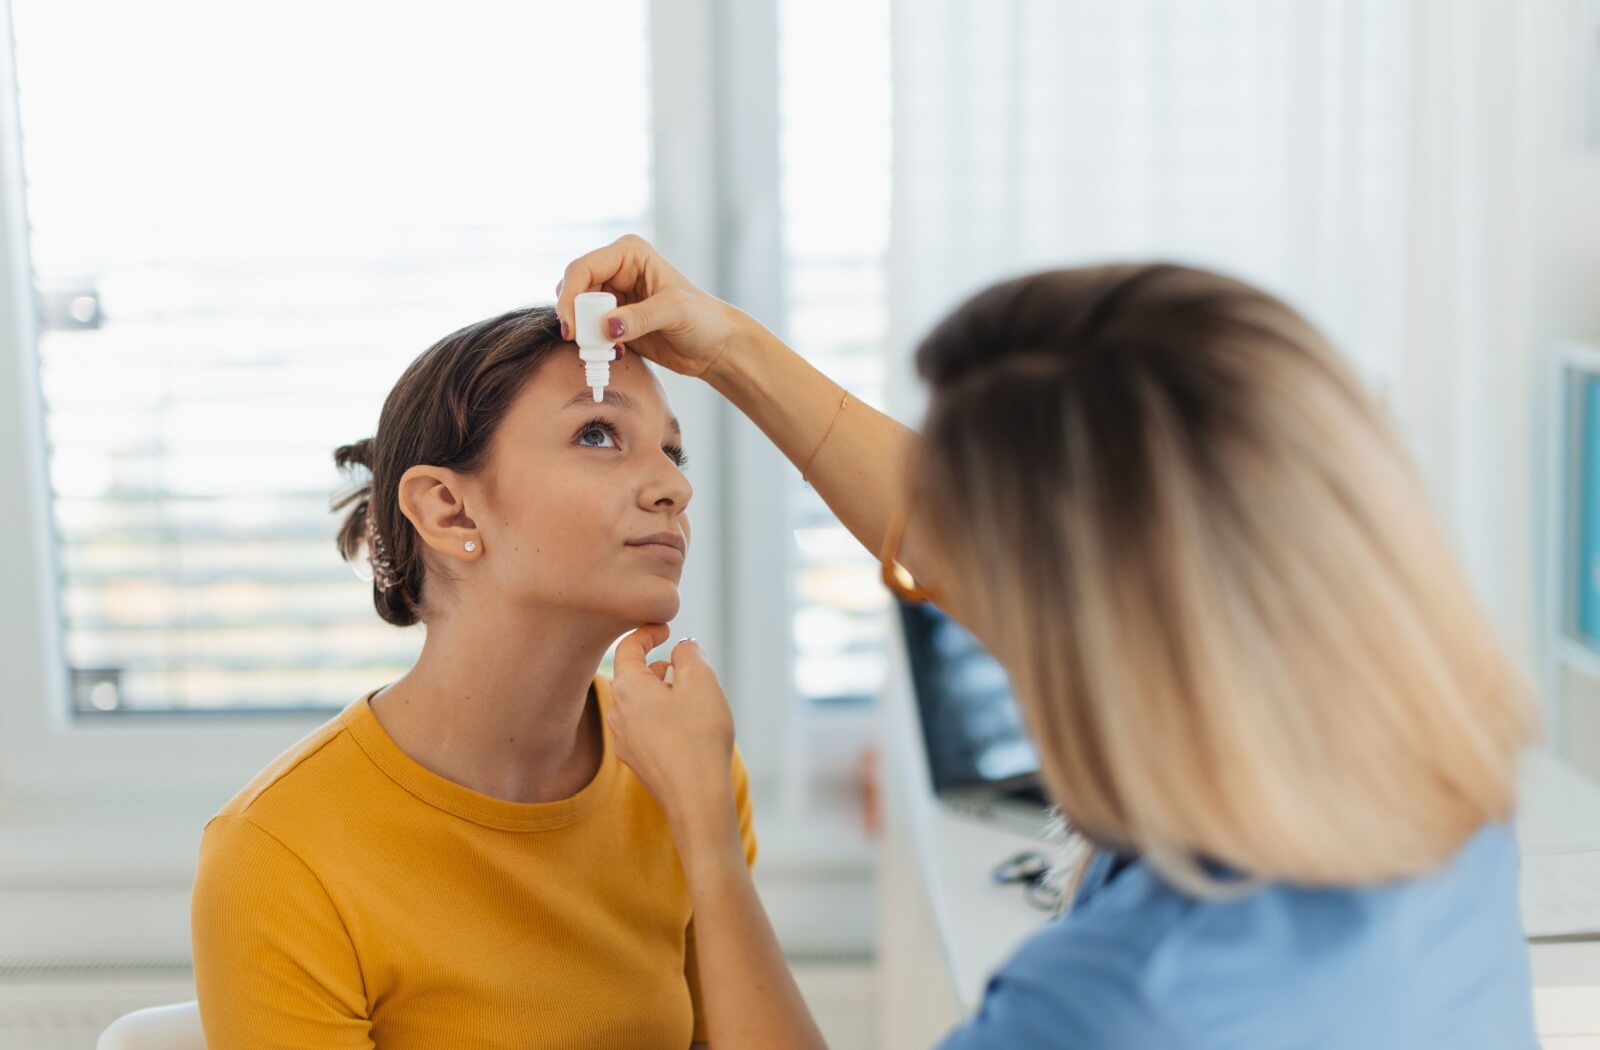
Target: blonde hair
{"x":1235,"y":630}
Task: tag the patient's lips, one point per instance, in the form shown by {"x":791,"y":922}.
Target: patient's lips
{"x":667,"y":545}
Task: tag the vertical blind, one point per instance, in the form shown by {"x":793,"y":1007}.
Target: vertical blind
{"x":1265,"y":139}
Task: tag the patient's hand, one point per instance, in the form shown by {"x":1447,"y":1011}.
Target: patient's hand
{"x":663,"y":315}
{"x":674,"y":730}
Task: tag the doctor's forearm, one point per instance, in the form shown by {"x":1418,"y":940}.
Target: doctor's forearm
{"x":858,"y":469}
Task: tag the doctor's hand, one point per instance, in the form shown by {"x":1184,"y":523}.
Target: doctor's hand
{"x":676,"y":733}
{"x":661,"y":314}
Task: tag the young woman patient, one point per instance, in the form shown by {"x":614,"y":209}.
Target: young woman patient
{"x":458,"y":858}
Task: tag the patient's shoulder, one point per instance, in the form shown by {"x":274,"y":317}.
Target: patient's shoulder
{"x":300,"y":779}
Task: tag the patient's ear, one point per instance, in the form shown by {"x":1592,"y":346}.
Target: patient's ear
{"x":434,"y":500}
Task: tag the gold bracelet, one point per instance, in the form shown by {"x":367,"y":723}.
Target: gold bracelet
{"x":837,"y":413}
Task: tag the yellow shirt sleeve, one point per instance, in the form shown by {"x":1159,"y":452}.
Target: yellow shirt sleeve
{"x":747,"y":833}
{"x":274,"y":965}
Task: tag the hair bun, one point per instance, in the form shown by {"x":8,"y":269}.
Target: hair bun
{"x":356,"y":454}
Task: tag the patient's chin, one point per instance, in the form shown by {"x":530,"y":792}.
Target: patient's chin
{"x":660,"y":607}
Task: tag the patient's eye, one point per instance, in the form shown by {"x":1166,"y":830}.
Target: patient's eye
{"x":602,"y":433}
{"x":596,"y":433}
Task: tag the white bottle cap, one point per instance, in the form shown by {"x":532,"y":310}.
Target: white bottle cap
{"x":594,"y":347}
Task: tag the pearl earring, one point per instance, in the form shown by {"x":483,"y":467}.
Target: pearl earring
{"x":471,"y":546}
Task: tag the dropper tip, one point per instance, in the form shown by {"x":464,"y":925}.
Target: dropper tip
{"x":599,"y":393}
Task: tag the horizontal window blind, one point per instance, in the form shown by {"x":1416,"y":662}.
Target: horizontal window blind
{"x":238,"y":247}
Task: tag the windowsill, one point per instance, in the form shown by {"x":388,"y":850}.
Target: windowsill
{"x":108,"y":844}
{"x":817,"y":875}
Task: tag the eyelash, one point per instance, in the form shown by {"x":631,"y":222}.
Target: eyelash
{"x":674,"y":452}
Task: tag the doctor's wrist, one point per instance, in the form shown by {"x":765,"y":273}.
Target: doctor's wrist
{"x":736,"y":366}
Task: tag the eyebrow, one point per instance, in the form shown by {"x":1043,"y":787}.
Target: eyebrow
{"x":620,"y":400}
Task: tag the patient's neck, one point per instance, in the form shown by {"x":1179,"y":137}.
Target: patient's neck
{"x":497,"y":702}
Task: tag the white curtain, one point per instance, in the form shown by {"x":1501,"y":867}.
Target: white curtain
{"x":1356,"y":157}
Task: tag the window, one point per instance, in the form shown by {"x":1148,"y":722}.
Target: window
{"x":245,"y":221}
{"x":834,"y":149}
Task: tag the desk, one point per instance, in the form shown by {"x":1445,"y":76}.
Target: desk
{"x":944,"y":925}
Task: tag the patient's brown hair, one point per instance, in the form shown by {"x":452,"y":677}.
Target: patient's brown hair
{"x":443,"y":412}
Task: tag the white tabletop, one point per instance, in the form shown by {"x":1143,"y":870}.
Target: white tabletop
{"x":980,"y":922}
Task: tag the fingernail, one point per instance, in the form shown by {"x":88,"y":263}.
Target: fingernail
{"x":616,"y":328}
{"x":618,"y":355}
{"x":566,"y":332}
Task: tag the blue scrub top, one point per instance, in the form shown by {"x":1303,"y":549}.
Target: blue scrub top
{"x":1431,"y":963}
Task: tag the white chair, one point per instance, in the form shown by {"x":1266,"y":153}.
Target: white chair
{"x":175,"y":1027}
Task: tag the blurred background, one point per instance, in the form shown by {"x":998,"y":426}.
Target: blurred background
{"x":226,"y":228}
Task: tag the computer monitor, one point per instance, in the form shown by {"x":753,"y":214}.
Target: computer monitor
{"x":971,"y":729}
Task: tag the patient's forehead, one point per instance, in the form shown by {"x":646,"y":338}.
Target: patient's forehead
{"x":557,"y":392}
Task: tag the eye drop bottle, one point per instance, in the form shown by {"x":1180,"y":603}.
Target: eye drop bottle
{"x":594,"y":347}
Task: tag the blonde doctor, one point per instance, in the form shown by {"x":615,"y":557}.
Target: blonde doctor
{"x":1257,"y":680}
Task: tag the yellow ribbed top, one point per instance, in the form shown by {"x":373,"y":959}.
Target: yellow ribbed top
{"x":350,"y":897}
